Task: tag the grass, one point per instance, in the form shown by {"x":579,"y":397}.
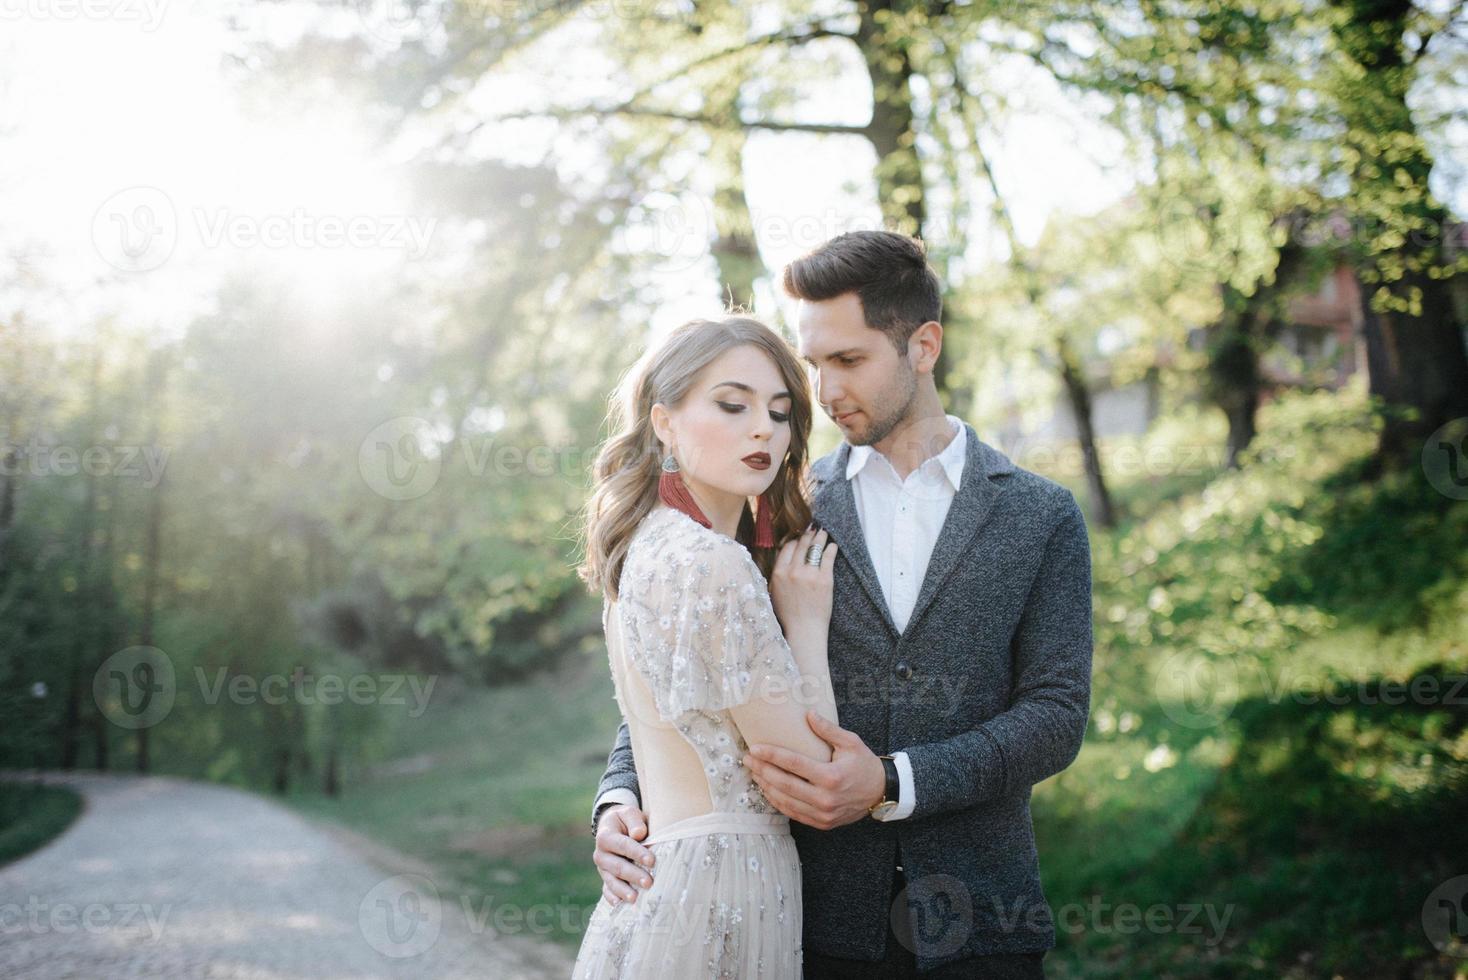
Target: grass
{"x":493,"y":787}
{"x":1247,"y":803}
{"x":1244,"y":753}
{"x":31,"y":815}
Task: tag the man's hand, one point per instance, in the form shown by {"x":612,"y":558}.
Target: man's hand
{"x":621,"y":861}
{"x":823,"y":795}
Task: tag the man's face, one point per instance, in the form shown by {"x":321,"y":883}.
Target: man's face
{"x":860,"y":380}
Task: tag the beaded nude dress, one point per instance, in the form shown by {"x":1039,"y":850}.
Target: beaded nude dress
{"x":692,"y":635}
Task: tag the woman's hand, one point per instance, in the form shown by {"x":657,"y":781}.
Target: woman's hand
{"x":801,"y":593}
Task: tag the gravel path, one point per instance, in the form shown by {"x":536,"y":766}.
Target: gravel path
{"x":161,"y":877}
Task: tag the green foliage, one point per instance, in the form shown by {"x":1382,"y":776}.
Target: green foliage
{"x":33,"y":600}
{"x":32,"y":814}
{"x":1255,"y":745}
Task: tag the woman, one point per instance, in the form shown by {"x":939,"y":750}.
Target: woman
{"x":718,"y":413}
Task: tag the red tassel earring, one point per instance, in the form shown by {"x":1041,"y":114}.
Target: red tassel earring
{"x":674,"y":492}
{"x":764,"y":523}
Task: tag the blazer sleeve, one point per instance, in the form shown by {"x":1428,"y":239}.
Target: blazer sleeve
{"x":1040,"y":733}
{"x":621,"y":771}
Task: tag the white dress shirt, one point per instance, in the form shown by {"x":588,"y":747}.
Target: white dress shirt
{"x":900,"y":522}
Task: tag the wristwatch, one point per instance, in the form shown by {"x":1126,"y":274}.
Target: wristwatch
{"x":890,"y":793}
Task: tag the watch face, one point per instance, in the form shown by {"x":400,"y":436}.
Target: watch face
{"x":882,"y":809}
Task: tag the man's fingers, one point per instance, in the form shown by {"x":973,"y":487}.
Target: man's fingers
{"x":636,"y":826}
{"x":626,"y":819}
{"x":621,"y":844}
{"x":803,"y":766}
{"x":783,"y":781}
{"x":621,"y":828}
{"x":827,"y":729}
{"x":619,"y":870}
{"x":790,"y":806}
{"x":615,"y":895}
{"x":617,"y":891}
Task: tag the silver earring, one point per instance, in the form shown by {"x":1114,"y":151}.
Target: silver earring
{"x":670,"y":464}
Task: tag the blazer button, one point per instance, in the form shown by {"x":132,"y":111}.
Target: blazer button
{"x":903,"y":670}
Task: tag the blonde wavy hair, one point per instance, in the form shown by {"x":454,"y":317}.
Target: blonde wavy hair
{"x":629,"y":463}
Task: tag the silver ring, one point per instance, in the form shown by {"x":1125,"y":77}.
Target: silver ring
{"x":813,"y":555}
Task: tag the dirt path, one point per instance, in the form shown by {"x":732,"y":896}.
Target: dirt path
{"x":168,"y":878}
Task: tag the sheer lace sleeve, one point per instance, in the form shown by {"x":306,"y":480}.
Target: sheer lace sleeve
{"x":702,"y":630}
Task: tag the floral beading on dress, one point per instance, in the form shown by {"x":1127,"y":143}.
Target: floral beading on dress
{"x":694,"y":621}
{"x":700,"y":628}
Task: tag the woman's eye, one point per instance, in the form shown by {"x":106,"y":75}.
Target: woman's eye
{"x":736,"y":409}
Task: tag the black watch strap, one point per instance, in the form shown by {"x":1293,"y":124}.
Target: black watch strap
{"x":894,"y":784}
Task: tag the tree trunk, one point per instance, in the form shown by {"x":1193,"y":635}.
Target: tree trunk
{"x":1417,"y":367}
{"x":71,"y":714}
{"x":882,"y":39}
{"x":152,"y":545}
{"x":883,"y":42}
{"x":1233,"y":369}
{"x":79,"y":674}
{"x":10,"y":455}
{"x":282,"y":781}
{"x":332,"y":782}
{"x":1079,"y":393}
{"x":735,"y":249}
{"x":107,"y":614}
{"x":1244,"y":330}
{"x":9,"y":470}
{"x":1414,"y":340}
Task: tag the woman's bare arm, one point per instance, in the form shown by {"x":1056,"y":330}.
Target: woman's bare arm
{"x":800,"y":597}
{"x":776,"y":714}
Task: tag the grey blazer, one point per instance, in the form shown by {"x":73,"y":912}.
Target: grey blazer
{"x":988,"y":692}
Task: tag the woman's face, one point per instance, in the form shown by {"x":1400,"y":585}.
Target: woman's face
{"x":737,"y":407}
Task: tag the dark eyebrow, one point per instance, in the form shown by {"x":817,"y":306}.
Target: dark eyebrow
{"x":840,"y":353}
{"x":745,"y":387}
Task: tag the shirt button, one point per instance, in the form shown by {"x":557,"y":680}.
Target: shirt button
{"x":903,"y":670}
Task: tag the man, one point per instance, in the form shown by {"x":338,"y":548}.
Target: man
{"x":960,"y":652}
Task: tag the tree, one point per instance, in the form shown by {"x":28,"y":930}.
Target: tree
{"x":1414,"y":340}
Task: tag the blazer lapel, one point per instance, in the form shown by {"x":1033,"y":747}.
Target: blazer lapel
{"x":835,"y":510}
{"x":971,"y":504}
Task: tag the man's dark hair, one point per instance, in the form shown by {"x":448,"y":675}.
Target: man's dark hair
{"x":889,"y":273}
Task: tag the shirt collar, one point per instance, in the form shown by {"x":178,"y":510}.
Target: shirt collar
{"x":951,"y":458}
